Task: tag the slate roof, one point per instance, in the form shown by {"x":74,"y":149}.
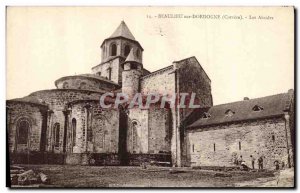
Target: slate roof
{"x":93,"y":76}
{"x":123,"y":31}
{"x":28,"y":99}
{"x":274,"y":105}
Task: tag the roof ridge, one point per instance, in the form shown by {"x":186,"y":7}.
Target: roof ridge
{"x":249,"y":99}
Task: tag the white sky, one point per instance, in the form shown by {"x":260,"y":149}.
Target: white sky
{"x":251,"y":58}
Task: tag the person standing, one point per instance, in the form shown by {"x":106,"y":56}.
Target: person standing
{"x":260,"y":163}
{"x":240,"y":160}
{"x":252,"y":161}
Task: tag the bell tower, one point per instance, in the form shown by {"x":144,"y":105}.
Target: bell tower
{"x":114,"y":51}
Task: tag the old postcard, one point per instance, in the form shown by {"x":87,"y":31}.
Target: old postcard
{"x":150,"y":97}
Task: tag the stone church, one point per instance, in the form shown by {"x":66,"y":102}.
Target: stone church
{"x":66,"y":125}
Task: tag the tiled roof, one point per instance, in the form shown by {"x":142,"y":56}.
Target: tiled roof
{"x":29,"y":99}
{"x":122,"y":31}
{"x":243,"y":110}
{"x":94,"y":76}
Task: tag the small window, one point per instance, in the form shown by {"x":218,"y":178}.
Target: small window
{"x":229,"y":113}
{"x":240,"y":146}
{"x":74,"y":131}
{"x":98,"y":73}
{"x":113,"y":50}
{"x":109,"y":73}
{"x":273,"y":138}
{"x":206,"y":115}
{"x":126,"y":50}
{"x":214,"y":147}
{"x":138,"y":53}
{"x":193,"y":147}
{"x":257,"y":108}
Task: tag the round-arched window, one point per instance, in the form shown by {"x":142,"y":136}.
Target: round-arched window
{"x":113,"y":49}
{"x":126,"y":50}
{"x":74,"y":131}
{"x":134,"y":135}
{"x":23,"y":127}
{"x":56,"y":130}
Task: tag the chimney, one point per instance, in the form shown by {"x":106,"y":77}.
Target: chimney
{"x":246,"y":98}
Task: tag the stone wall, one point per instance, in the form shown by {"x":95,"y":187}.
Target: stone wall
{"x":94,"y":159}
{"x":156,"y":159}
{"x":137,"y":132}
{"x":34,"y":115}
{"x":149,"y":131}
{"x":102,"y":128}
{"x":193,"y":79}
{"x":36,"y":157}
{"x":160,"y":81}
{"x":218,"y":145}
{"x":130,"y":82}
{"x":57,"y":100}
{"x":292,"y":124}
{"x":116,"y":70}
{"x":160,"y":130}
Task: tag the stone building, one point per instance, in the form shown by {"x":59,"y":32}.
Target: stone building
{"x":66,"y":125}
{"x":258,"y":127}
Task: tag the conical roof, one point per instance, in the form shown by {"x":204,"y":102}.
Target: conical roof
{"x":122,"y":31}
{"x":132,"y":58}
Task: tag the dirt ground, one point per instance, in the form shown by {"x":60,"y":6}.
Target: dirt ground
{"x":99,"y":176}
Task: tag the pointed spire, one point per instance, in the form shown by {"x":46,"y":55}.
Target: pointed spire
{"x":123,"y":31}
{"x":131,"y":57}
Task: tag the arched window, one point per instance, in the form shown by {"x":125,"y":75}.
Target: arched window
{"x":82,"y":85}
{"x":109,"y":73}
{"x":126,"y":50}
{"x":65,"y":85}
{"x":74,"y":131}
{"x":134,"y":136}
{"x":23,"y":127}
{"x":56,"y":130}
{"x":113,"y":49}
{"x":138,"y":53}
